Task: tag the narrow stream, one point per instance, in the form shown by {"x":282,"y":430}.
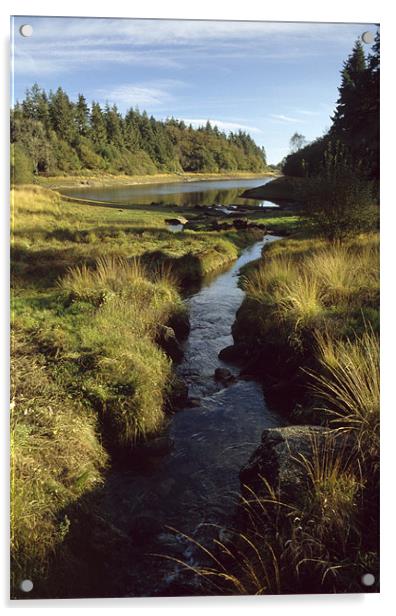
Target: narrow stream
{"x":196,"y":482}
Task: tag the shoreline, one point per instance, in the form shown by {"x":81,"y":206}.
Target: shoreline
{"x":108,"y":180}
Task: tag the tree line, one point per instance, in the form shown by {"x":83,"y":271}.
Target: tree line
{"x":51,"y":134}
{"x":352,"y":141}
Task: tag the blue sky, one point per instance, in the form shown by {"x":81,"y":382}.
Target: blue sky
{"x":268,"y":78}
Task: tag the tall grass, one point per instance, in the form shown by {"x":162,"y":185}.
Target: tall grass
{"x":315,"y":283}
{"x":56,"y":456}
{"x":348,"y":385}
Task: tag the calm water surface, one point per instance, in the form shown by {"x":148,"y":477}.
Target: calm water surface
{"x":211,"y":192}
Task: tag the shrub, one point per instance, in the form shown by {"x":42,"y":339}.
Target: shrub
{"x":21,"y":165}
{"x":340,"y":204}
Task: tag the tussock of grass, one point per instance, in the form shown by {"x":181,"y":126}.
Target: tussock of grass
{"x":349,"y":386}
{"x":56,"y":456}
{"x":304,"y":285}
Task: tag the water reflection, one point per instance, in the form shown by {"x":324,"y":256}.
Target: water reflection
{"x":214,"y":192}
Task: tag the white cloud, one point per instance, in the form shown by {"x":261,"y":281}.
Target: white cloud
{"x":131,"y":95}
{"x":222,"y":124}
{"x":66,"y":44}
{"x":279,"y":117}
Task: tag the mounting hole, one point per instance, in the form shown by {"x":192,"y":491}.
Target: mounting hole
{"x":368,"y":37}
{"x":368,"y":579}
{"x":26,"y":585}
{"x":26,"y":30}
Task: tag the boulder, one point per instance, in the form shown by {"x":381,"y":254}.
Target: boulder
{"x":167,"y":340}
{"x":235,"y":353}
{"x":279,"y":458}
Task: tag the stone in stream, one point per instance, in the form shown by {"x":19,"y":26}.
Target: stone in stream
{"x":281,"y":457}
{"x":235,"y":353}
{"x":225,"y":376}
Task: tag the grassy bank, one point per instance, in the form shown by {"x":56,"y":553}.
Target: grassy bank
{"x":92,"y":288}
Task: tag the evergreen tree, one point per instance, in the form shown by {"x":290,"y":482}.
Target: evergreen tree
{"x":98,"y":126}
{"x":81,"y":116}
{"x":61,"y":112}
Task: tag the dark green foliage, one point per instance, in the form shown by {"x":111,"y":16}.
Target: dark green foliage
{"x":61,"y":136}
{"x":355,"y":122}
{"x":340,"y":204}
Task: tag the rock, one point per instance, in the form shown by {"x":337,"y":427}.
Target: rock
{"x":178,"y":398}
{"x":167,"y":340}
{"x":240,"y":223}
{"x":193,"y":402}
{"x":180,"y":323}
{"x":224,"y":375}
{"x":180,"y":220}
{"x":235,"y":353}
{"x":159,"y":446}
{"x":144,"y":529}
{"x":279,"y":459}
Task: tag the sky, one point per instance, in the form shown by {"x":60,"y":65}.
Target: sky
{"x":270,"y":79}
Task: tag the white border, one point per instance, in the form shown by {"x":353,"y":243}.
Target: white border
{"x":287,"y":10}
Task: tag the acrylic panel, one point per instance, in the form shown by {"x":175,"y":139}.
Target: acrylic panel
{"x":195,"y":307}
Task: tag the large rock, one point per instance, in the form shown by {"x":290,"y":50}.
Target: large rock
{"x":235,"y":353}
{"x":167,"y":340}
{"x":279,"y":458}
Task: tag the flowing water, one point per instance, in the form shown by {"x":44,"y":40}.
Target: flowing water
{"x":195,"y":483}
{"x":186,"y":194}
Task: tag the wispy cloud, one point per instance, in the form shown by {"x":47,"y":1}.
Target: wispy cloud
{"x":66,"y":44}
{"x":279,"y":117}
{"x":153,"y":94}
{"x":307,"y":112}
{"x":222,"y":124}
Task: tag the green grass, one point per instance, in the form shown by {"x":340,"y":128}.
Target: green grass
{"x":56,"y":456}
{"x":304,"y":285}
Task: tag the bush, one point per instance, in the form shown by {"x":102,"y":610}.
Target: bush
{"x":339,"y":205}
{"x":21,"y":165}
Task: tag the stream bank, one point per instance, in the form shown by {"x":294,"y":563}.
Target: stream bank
{"x":189,"y":479}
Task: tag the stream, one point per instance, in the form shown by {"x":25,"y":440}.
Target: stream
{"x":195,"y":483}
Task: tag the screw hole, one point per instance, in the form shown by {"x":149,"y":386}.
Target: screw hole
{"x":368,"y":579}
{"x":26,"y":585}
{"x":26,"y":30}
